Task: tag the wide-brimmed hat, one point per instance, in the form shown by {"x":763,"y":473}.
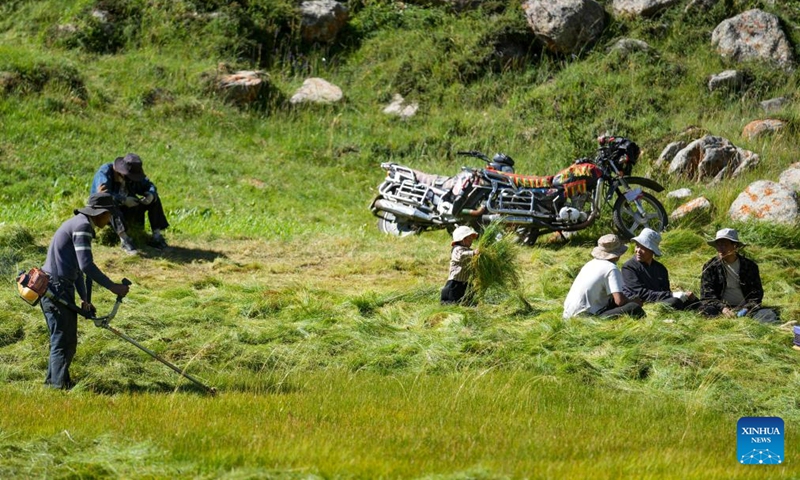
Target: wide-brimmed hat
{"x":727,"y":234}
{"x":649,"y":239}
{"x":463,"y":232}
{"x":608,"y":247}
{"x":97,"y":204}
{"x":130,"y":166}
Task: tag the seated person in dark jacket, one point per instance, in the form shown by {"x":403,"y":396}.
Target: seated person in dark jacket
{"x":731,"y":283}
{"x":134,"y":195}
{"x":644,"y":277}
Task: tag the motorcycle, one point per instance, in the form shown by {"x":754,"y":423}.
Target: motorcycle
{"x":410,"y":201}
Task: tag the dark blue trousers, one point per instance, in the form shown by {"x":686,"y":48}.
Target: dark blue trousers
{"x":63,"y":326}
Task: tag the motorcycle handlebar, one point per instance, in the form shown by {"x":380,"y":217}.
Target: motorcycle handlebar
{"x":474,"y":153}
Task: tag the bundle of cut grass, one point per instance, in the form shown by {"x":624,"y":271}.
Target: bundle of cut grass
{"x":496,"y":266}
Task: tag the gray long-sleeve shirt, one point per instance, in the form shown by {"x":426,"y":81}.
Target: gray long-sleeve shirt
{"x":69,"y":255}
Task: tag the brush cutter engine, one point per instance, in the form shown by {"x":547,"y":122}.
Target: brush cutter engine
{"x":32,"y":286}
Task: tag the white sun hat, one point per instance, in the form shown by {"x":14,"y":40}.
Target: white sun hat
{"x":463,"y":232}
{"x":649,"y":239}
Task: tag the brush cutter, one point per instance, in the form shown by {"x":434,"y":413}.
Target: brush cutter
{"x":103,"y":322}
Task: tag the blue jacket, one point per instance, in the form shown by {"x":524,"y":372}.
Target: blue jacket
{"x":105,"y":176}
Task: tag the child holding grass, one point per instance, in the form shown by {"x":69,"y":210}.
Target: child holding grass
{"x":456,"y":290}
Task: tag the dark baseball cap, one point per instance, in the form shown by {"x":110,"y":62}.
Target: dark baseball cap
{"x":130,"y":166}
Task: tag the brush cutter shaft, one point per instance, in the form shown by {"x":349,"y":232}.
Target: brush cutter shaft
{"x":157,"y":357}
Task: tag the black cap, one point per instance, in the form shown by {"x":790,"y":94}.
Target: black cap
{"x":130,"y":166}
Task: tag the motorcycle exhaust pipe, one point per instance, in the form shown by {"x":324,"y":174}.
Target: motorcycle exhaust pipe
{"x":399,"y":210}
{"x":509,"y":219}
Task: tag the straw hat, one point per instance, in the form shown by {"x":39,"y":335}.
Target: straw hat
{"x":649,"y":239}
{"x":609,"y":247}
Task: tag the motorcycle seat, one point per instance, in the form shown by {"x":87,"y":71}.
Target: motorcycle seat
{"x":432,"y":180}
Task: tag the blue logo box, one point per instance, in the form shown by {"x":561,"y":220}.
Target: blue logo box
{"x":759,"y":441}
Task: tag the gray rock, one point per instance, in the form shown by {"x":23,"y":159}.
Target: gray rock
{"x":728,"y":80}
{"x":680,"y":193}
{"x":640,"y":8}
{"x":626,"y":46}
{"x":791,"y":177}
{"x":565,"y":26}
{"x":712,"y":158}
{"x":764,"y":200}
{"x":321,"y":20}
{"x":669,"y":152}
{"x":753,"y":35}
{"x":400,"y":108}
{"x":316,"y":90}
{"x":774,"y":104}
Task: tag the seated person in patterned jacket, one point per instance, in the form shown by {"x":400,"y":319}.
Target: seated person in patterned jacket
{"x":134,"y":195}
{"x":731,"y":283}
{"x":646,"y":278}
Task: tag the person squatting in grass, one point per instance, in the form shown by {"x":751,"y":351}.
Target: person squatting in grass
{"x":730,"y":283}
{"x":456,"y":290}
{"x":597,"y":290}
{"x":646,"y":278}
{"x":135,"y":195}
{"x":69,"y":258}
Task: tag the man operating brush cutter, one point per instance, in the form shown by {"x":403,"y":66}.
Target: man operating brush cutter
{"x":70,"y":268}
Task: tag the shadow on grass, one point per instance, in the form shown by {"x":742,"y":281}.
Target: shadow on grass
{"x":185,"y":255}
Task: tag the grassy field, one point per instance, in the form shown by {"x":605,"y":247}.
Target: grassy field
{"x":326,"y":341}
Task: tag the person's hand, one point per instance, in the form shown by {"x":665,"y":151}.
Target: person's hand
{"x":102,"y":188}
{"x":131,"y":202}
{"x":728,"y":312}
{"x":147,"y":199}
{"x":88,"y":307}
{"x":120,"y":289}
{"x":691,"y":296}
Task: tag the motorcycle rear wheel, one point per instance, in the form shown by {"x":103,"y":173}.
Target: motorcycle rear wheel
{"x":390,"y":225}
{"x":629,"y":222}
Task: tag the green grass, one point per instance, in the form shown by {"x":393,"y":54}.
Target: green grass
{"x":326,"y":340}
{"x":480,"y":424}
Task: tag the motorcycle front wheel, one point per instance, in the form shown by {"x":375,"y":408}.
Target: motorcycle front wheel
{"x":629,"y":221}
{"x":389,"y":224}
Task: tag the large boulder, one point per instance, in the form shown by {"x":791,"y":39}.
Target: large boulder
{"x":565,"y":26}
{"x":712,"y":157}
{"x":321,"y":20}
{"x":640,"y":8}
{"x":767,"y":201}
{"x":316,"y":90}
{"x":669,"y":152}
{"x":753,"y":35}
